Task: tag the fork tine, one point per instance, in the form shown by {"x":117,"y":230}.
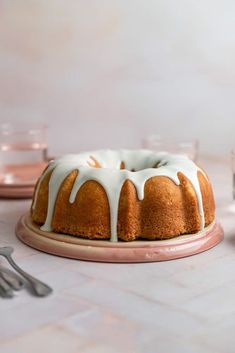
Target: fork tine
{"x":3,"y":293}
{"x":11,"y":281}
{"x":15,"y":281}
{"x":6,"y":290}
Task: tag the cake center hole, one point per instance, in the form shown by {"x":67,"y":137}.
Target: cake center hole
{"x":94,"y":163}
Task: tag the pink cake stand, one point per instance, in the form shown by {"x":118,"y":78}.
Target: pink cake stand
{"x":106,"y":251}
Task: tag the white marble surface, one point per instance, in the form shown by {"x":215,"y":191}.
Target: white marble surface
{"x":186,"y":305}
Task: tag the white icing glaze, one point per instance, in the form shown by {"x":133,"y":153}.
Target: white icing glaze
{"x":143,"y":162}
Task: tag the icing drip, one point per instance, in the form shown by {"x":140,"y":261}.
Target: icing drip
{"x":146,"y":164}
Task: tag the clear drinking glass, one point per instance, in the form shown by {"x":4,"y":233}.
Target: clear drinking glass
{"x":159,"y":144}
{"x":23,"y":152}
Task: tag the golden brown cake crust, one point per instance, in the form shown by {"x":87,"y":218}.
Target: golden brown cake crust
{"x":167,"y":210}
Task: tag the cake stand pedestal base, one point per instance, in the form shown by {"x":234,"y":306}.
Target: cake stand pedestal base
{"x":126,"y":252}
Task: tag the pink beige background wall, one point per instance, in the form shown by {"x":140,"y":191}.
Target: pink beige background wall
{"x":107,"y":73}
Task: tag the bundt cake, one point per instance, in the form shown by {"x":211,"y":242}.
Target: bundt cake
{"x":123,"y":195}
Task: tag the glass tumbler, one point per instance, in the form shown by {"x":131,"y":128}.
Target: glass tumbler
{"x":159,"y":144}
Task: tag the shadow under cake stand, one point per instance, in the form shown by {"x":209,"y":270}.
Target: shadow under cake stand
{"x":106,"y":251}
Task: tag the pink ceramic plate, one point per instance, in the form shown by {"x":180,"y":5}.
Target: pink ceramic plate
{"x":106,"y":251}
{"x":25,"y":188}
{"x":16,"y":192}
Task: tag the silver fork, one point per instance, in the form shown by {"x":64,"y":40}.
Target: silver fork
{"x":9,"y":282}
{"x":39,"y":288}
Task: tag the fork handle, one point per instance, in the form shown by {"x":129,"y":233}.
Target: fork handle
{"x":39,"y":288}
